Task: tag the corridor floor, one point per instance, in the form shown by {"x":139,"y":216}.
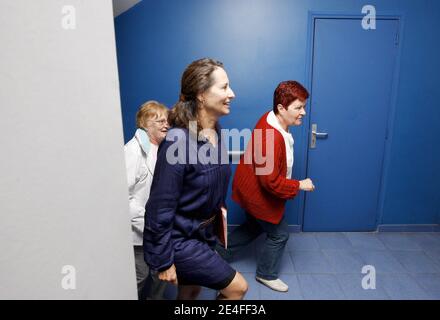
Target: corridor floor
{"x":329,"y":266}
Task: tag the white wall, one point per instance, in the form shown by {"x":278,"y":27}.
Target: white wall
{"x":63,"y":194}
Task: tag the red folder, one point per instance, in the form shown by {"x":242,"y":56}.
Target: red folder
{"x":222,"y":227}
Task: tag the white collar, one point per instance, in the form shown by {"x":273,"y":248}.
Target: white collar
{"x":274,"y":122}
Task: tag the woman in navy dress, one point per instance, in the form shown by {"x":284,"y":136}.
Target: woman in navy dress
{"x":189,"y":189}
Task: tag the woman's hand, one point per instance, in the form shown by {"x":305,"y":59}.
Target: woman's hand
{"x":169,"y":275}
{"x":306,"y":185}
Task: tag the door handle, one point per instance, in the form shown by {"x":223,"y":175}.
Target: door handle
{"x":320,"y":135}
{"x":316,"y":135}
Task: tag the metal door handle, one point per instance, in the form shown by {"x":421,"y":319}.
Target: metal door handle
{"x":316,"y":135}
{"x":320,"y":135}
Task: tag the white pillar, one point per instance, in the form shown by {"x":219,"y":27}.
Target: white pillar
{"x":64,"y":222}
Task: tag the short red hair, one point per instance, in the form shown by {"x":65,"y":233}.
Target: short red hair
{"x":287,"y":92}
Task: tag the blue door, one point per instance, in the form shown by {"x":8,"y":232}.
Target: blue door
{"x":352,"y":80}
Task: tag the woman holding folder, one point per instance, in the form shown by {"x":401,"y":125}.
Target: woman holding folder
{"x":189,"y":189}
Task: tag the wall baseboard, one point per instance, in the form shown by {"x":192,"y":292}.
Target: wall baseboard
{"x":293,"y":228}
{"x":380,"y":228}
{"x":408,"y":228}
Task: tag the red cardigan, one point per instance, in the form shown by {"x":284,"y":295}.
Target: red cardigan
{"x":264,"y":195}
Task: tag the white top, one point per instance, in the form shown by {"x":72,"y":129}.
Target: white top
{"x":140,"y":160}
{"x":288,"y":141}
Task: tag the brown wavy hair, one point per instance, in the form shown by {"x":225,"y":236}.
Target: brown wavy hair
{"x":196,"y":79}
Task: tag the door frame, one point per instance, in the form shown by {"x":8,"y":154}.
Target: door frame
{"x":305,"y":129}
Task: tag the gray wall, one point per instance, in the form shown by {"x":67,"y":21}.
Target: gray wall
{"x":63,"y":193}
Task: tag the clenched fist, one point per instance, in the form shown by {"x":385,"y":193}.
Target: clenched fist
{"x":306,"y":185}
{"x":169,"y":275}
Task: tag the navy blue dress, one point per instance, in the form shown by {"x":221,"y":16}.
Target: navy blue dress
{"x":186,"y":193}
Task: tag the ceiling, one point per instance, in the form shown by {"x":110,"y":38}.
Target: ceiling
{"x":120,"y":6}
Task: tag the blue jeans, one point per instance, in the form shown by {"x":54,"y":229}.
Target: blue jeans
{"x":269,"y":259}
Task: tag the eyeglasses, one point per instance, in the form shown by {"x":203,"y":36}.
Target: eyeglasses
{"x":160,"y":122}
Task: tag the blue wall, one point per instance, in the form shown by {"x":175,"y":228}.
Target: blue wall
{"x":263,"y":42}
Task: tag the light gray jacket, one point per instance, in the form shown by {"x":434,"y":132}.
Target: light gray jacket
{"x":140,"y":160}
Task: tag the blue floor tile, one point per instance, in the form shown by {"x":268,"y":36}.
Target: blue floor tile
{"x":425,"y":241}
{"x":383,"y":261}
{"x":416,"y":261}
{"x":207,"y":294}
{"x":245,"y":260}
{"x":244,"y":265}
{"x":345,"y":261}
{"x":311,"y":262}
{"x":398,"y":241}
{"x":352,"y":286}
{"x":302,"y":241}
{"x":365,"y":241}
{"x":294,"y":292}
{"x":286,"y":265}
{"x":435,"y":235}
{"x":333,"y":241}
{"x":402,"y":287}
{"x":434,"y":254}
{"x":430,"y":283}
{"x":320,"y":287}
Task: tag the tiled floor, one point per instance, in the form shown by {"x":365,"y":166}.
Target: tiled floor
{"x":329,"y":266}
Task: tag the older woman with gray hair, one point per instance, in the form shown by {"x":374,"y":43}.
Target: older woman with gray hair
{"x":140,"y":158}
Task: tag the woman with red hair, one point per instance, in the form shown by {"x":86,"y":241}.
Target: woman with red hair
{"x":262,"y":183}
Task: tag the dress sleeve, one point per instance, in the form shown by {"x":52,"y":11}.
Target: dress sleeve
{"x":161,"y":209}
